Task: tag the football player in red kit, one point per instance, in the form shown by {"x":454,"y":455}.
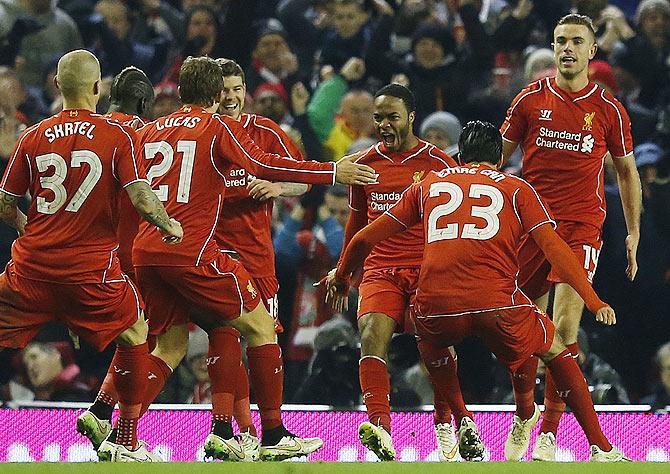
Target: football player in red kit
{"x":64,"y":264}
{"x":390,"y":275}
{"x":566,"y":126}
{"x":474,"y":219}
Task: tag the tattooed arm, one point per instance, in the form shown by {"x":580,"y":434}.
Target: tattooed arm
{"x":11,"y":214}
{"x":151,"y":209}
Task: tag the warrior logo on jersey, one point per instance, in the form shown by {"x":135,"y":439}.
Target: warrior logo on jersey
{"x":418,"y":176}
{"x":545,"y":114}
{"x":251,"y":289}
{"x":588,"y":121}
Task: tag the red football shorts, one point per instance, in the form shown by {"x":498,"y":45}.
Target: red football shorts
{"x":535,"y":274}
{"x":222,"y":288}
{"x":96,"y":312}
{"x":267,"y":287}
{"x":388,"y":291}
{"x":513,"y":335}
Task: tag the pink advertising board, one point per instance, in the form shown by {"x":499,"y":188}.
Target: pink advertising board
{"x":38,"y":434}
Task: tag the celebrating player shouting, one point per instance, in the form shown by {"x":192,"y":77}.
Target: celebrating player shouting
{"x":391,"y":272}
{"x":471,"y":213}
{"x":64,"y":264}
{"x":566,"y":126}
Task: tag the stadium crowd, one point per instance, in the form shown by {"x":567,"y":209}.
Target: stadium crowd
{"x":313,"y":66}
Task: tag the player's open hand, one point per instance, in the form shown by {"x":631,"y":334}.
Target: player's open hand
{"x":631,"y":255}
{"x":262,"y":190}
{"x":348,"y":172}
{"x":337,"y":292}
{"x":174,"y":234}
{"x":606,"y":316}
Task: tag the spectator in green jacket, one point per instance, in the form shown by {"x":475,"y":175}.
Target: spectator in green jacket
{"x":338,"y":114}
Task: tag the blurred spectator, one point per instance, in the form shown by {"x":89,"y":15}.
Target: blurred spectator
{"x":271,"y":101}
{"x":203,"y":33}
{"x":350,"y":30}
{"x":660,"y":397}
{"x":602,"y":74}
{"x":642,"y":63}
{"x":604,"y":382}
{"x":655,"y":187}
{"x":538,"y":61}
{"x":410,"y":386}
{"x":50,"y":35}
{"x":310,"y":141}
{"x":610,"y":23}
{"x":167,"y":99}
{"x":272,"y":58}
{"x":46,"y":371}
{"x":354,"y":120}
{"x":442,"y":129}
{"x":441,"y":75}
{"x":117,"y":48}
{"x":333,"y":371}
{"x":304,"y":254}
{"x":190,"y":382}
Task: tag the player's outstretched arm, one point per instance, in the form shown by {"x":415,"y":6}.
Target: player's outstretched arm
{"x":11,"y":214}
{"x":237,"y":147}
{"x":151,"y":209}
{"x":361,"y":245}
{"x":263,"y":190}
{"x":565,"y":263}
{"x":631,"y":200}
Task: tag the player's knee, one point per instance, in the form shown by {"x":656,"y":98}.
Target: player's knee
{"x":256,"y":326}
{"x":135,"y":334}
{"x":557,"y":346}
{"x":374,"y":338}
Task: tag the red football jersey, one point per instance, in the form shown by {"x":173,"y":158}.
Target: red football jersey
{"x":186,"y":154}
{"x":245,"y":223}
{"x":74,"y":165}
{"x":474,"y":219}
{"x":396,"y":172}
{"x":128,"y":220}
{"x":130,"y":120}
{"x":564,"y":137}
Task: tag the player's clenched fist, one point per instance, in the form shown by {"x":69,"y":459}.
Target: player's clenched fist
{"x":348,"y":172}
{"x":606,"y":316}
{"x":174,"y":233}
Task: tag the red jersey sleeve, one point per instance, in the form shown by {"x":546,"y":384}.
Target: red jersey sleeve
{"x":283,"y":145}
{"x":514,"y":127}
{"x":236,"y":146}
{"x":408,"y":210}
{"x":16,"y":180}
{"x":618,"y":134}
{"x":529,"y":208}
{"x":127,"y":170}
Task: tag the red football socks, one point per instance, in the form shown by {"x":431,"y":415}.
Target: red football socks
{"x":223,"y":361}
{"x":443,"y":373}
{"x":158,"y":374}
{"x":572,"y":388}
{"x":376,"y":388}
{"x":241,"y":409}
{"x":523,"y":384}
{"x":553,"y":404}
{"x":108,"y":394}
{"x":266,"y":370}
{"x":130,"y":372}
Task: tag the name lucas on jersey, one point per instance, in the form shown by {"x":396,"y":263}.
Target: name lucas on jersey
{"x":188,"y":122}
{"x":66,"y":129}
